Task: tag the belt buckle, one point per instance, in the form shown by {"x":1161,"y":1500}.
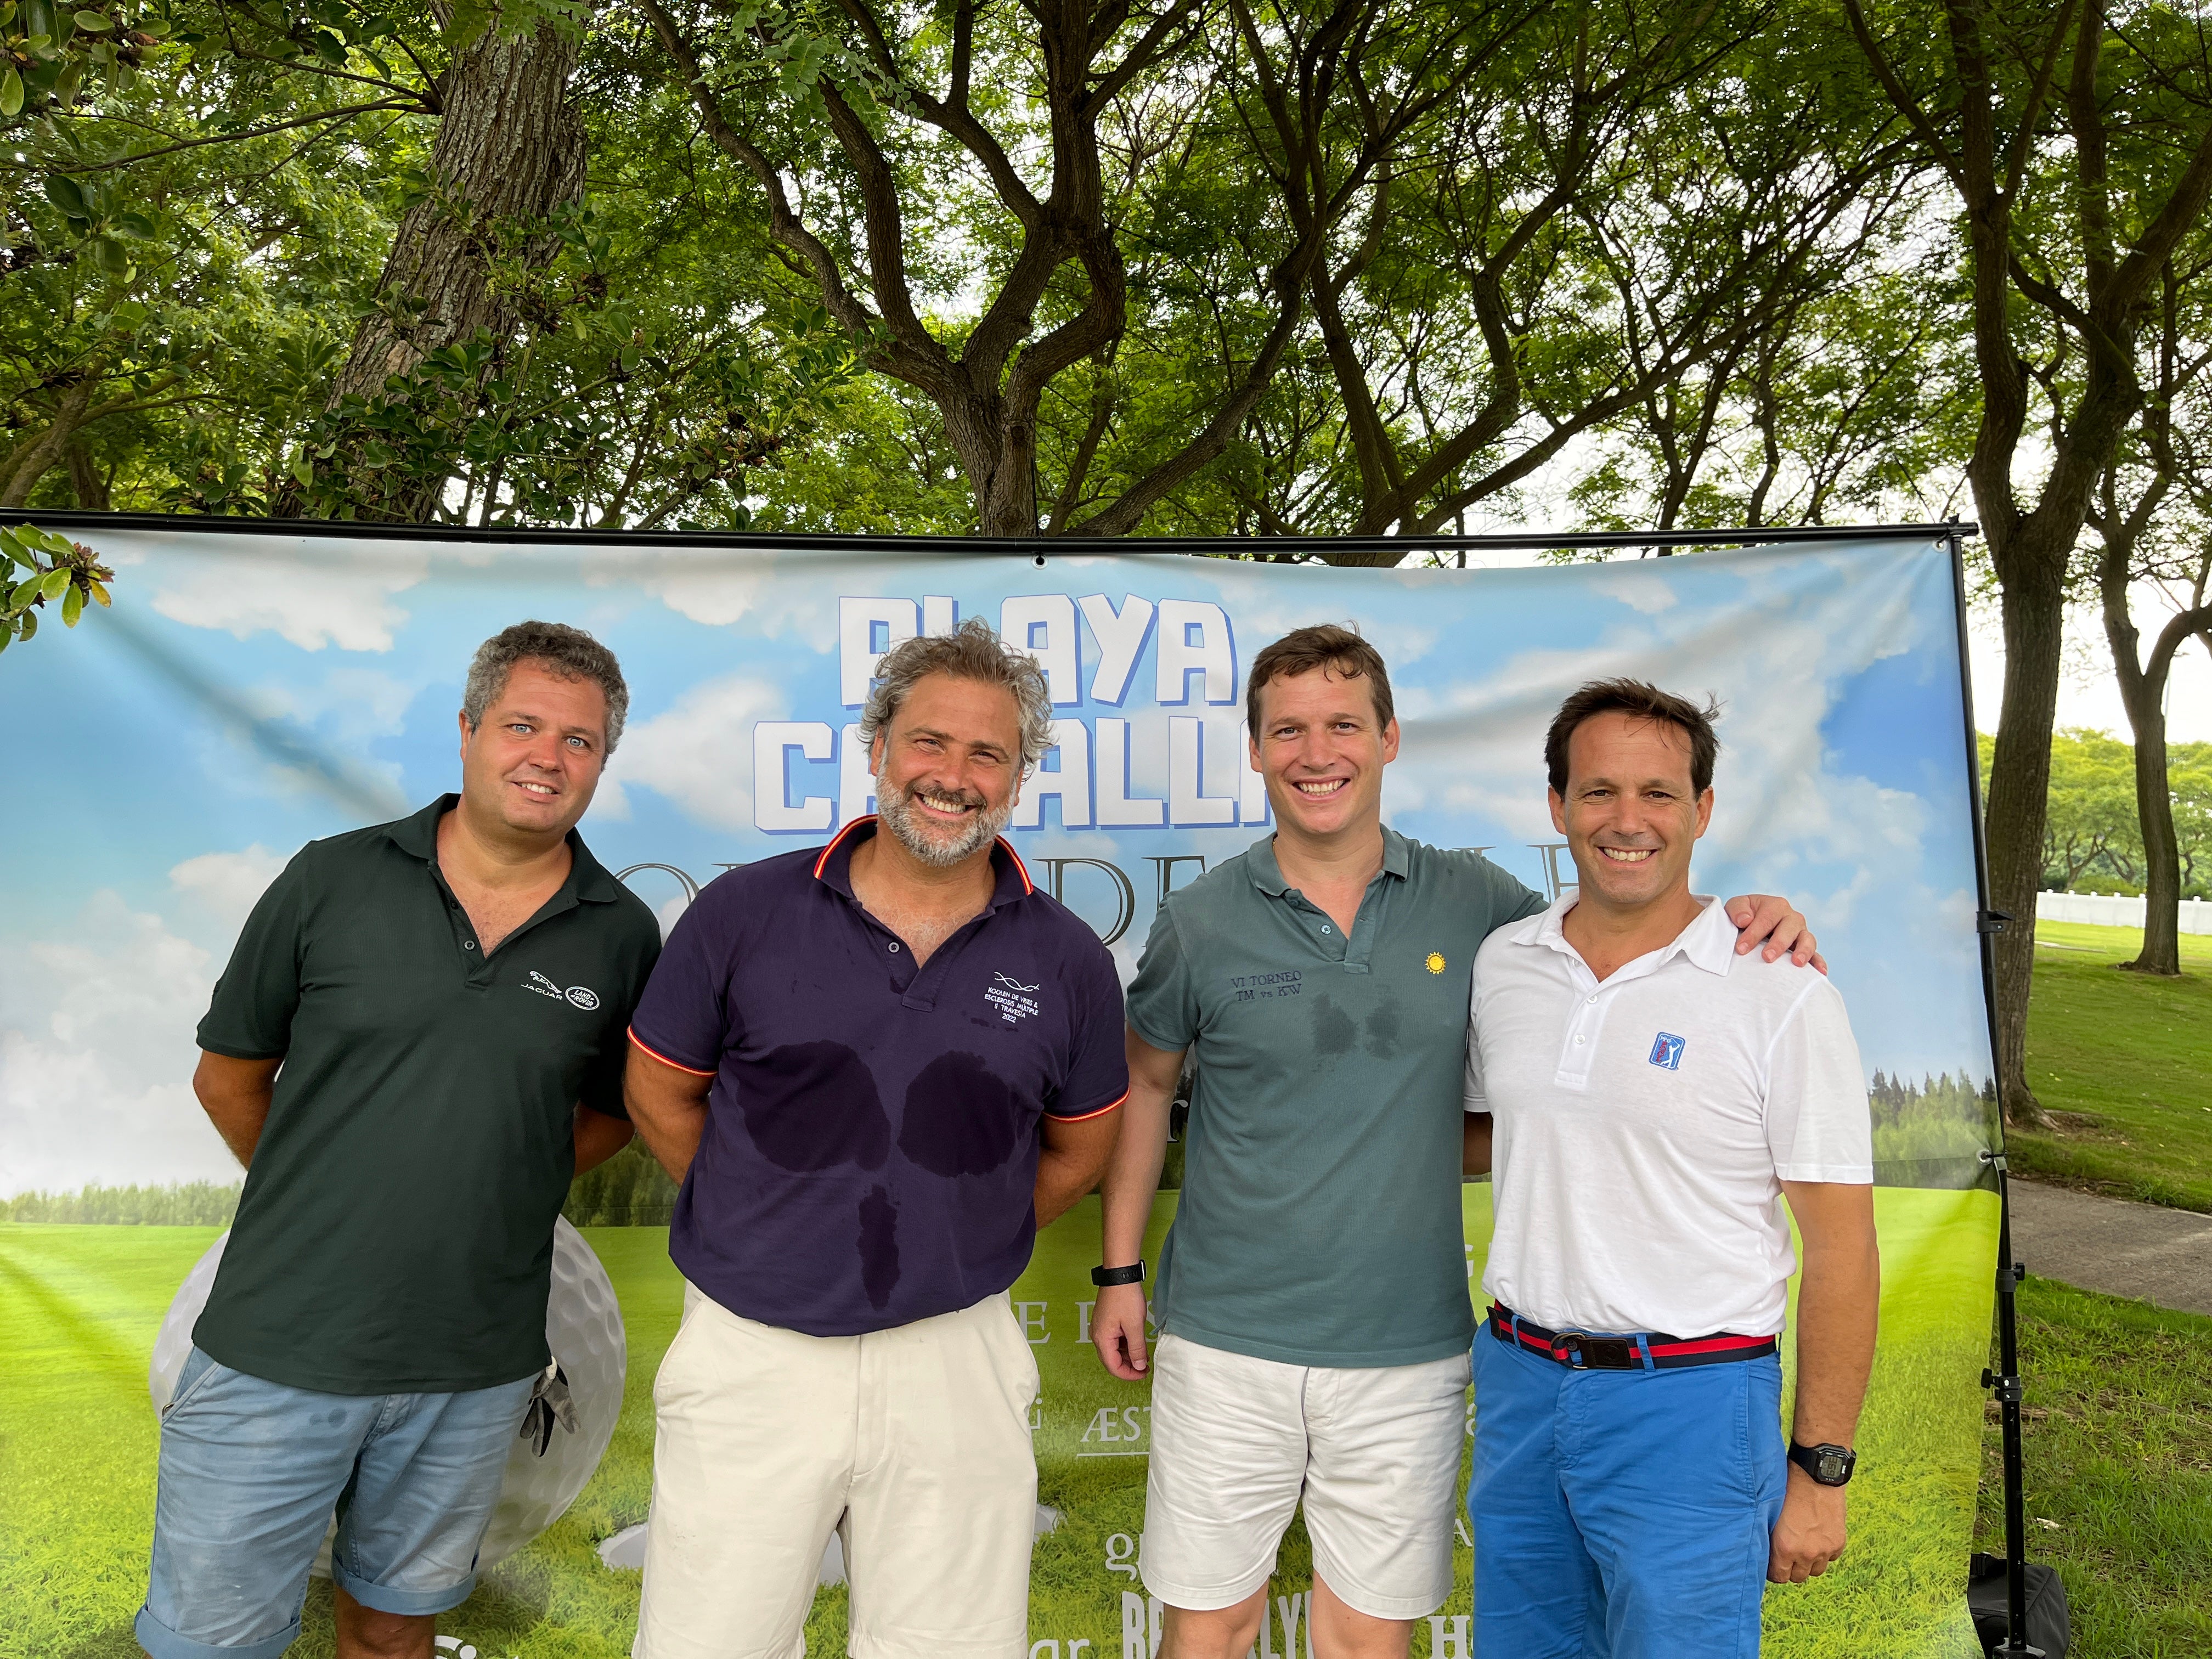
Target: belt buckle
{"x":1580,"y":1350}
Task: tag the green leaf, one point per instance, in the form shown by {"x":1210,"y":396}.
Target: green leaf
{"x":7,"y":636}
{"x":113,"y":257}
{"x":100,"y":592}
{"x":72,"y":605}
{"x":11,"y":93}
{"x":92,"y":23}
{"x":329,"y":48}
{"x":24,"y":593}
{"x":29,"y":625}
{"x":53,"y":583}
{"x":303,"y":467}
{"x":136,"y":226}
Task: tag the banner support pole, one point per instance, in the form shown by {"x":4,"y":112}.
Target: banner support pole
{"x":2004,"y":1382}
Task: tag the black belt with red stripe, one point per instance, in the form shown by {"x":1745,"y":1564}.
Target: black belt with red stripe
{"x":1580,"y":1350}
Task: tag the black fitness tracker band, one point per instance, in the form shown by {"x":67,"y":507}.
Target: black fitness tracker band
{"x":1133,"y":1275}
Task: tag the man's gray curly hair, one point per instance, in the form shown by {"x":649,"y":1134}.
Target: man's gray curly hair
{"x":973,"y":651}
{"x":567,"y":652}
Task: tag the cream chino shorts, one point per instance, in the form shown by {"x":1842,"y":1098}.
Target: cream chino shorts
{"x":1374,"y":1452}
{"x":913,"y":1444}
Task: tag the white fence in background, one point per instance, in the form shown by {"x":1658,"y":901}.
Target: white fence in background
{"x":2116,"y":910}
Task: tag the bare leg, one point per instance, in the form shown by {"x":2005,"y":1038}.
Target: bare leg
{"x":365,"y":1633}
{"x":1216,"y":1633}
{"x":1343,"y":1633}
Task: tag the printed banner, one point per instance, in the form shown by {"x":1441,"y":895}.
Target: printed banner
{"x":250,"y":692}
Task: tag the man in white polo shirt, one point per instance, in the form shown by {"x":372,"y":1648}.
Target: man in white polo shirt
{"x":1647,"y":1098}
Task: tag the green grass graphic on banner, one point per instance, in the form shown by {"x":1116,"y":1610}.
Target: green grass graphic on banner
{"x":79,"y":1306}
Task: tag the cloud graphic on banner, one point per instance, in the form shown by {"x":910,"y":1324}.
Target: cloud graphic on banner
{"x":699,"y":754}
{"x":96,"y":1055}
{"x":228,"y":885}
{"x":328,"y":601}
{"x":1478,"y":747}
{"x":723,"y":587}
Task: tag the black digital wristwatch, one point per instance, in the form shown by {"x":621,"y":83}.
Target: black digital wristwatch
{"x":1831,"y":1466}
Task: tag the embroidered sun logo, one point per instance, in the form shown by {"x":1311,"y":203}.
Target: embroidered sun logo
{"x":1436,"y":961}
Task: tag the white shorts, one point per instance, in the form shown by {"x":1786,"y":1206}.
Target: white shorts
{"x":1374,"y":1451}
{"x":913,"y":1443}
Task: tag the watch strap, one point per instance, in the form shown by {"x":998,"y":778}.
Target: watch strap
{"x":1132,"y":1275}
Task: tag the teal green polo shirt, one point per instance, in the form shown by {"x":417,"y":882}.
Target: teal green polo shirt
{"x":396,"y":1231}
{"x":1319,"y":1221}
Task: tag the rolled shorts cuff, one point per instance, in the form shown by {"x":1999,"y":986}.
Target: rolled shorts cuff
{"x":1191,"y":1599}
{"x":163,"y":1643}
{"x":406,"y":1603}
{"x":1357,"y":1596}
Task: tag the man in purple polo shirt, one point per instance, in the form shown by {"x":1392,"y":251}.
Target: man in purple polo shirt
{"x":877,"y":1068}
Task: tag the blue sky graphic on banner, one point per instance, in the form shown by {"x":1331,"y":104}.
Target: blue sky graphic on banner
{"x":250,"y":692}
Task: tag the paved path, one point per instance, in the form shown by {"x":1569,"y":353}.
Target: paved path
{"x":2113,"y":1245}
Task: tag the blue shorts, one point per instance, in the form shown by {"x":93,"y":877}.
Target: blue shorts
{"x":250,"y":1472}
{"x":1622,"y":1514}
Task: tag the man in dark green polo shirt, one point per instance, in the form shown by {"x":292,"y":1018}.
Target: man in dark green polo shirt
{"x":418,"y":1041}
{"x":1312,"y":1298}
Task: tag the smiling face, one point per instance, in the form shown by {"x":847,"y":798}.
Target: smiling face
{"x":949,"y":767}
{"x":1630,"y":814}
{"x":1321,"y":747}
{"x":530,"y":766}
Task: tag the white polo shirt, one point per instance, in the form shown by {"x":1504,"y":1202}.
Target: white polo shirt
{"x":1645,"y":1123}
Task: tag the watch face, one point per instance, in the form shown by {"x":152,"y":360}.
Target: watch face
{"x":1834,"y":1466}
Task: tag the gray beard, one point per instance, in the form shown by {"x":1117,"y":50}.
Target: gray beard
{"x":894,"y":811}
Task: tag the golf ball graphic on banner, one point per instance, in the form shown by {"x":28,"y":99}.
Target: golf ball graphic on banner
{"x":584,"y":1329}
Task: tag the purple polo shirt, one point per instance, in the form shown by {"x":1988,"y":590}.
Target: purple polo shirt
{"x":871,"y":1149}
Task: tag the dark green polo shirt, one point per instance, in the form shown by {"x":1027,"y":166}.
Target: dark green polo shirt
{"x":396,"y":1233}
{"x":1319,"y":1221}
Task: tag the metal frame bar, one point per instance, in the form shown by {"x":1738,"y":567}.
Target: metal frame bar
{"x":1035,"y":546}
{"x":2004,"y":1380}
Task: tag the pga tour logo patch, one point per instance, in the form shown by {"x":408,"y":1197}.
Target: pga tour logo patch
{"x":1666,"y":1051}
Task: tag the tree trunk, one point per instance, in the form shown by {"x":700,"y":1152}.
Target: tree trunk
{"x":2020,"y":782}
{"x":85,"y":480}
{"x":508,"y":148}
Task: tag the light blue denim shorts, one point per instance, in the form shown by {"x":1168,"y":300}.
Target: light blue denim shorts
{"x":251,"y":1473}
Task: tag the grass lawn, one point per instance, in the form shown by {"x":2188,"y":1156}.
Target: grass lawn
{"x":2118,"y":1421}
{"x":2126,"y":1060}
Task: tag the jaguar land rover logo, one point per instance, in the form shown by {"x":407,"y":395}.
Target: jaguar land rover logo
{"x":581,"y":996}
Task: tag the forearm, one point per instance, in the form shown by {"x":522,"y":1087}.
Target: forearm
{"x":1475,"y":1144}
{"x":1838,"y":1301}
{"x":599,"y":1136}
{"x":1133,"y":1174}
{"x":672,"y":1134}
{"x":1061,"y":1178}
{"x":239,"y":1124}
{"x":235,"y":1094}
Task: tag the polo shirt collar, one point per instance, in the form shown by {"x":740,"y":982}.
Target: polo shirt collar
{"x":833,"y":868}
{"x":1266,"y":874}
{"x":417,"y":834}
{"x":1708,"y":942}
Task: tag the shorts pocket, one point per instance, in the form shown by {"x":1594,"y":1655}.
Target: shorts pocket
{"x":1019,"y":1367}
{"x":198,"y":1369}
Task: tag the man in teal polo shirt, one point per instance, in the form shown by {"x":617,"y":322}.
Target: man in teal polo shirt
{"x":419,"y":1038}
{"x":1312,"y":1298}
